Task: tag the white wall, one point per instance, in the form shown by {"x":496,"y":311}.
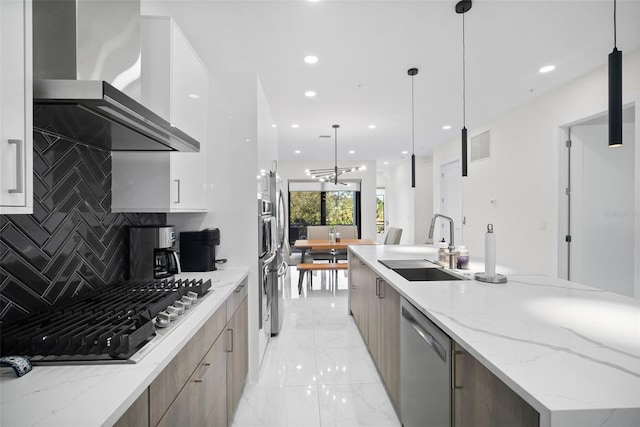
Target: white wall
{"x":295,"y":170}
{"x":237,"y":107}
{"x":522,"y":173}
{"x":409,"y":208}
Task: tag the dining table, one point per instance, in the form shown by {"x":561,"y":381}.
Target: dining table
{"x":327,"y":245}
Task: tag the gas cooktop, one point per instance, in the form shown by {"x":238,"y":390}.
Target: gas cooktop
{"x":110,"y":325}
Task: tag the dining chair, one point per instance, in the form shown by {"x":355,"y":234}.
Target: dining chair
{"x":393,"y":236}
{"x":346,"y":232}
{"x":319,"y":232}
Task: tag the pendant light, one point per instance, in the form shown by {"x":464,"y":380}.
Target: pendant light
{"x":615,"y":90}
{"x":332,"y":174}
{"x":412,"y":72}
{"x":463,"y":7}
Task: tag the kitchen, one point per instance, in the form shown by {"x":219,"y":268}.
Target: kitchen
{"x":232,"y":207}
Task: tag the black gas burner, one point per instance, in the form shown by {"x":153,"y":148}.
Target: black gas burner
{"x":108,"y":325}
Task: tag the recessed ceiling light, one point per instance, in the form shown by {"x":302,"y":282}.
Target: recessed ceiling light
{"x":273,"y":125}
{"x":295,"y":126}
{"x":310,"y":94}
{"x":405,"y":152}
{"x":193,"y":96}
{"x":310,"y":59}
{"x":446,"y":127}
{"x":247,"y":140}
{"x":547,"y":68}
{"x":297,"y":151}
{"x":386,"y":163}
{"x":372,"y":126}
{"x":351,"y":152}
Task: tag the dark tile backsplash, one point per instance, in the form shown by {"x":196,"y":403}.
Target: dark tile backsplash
{"x":72,"y":243}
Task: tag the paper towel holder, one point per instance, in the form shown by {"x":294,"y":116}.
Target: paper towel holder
{"x":490,"y":261}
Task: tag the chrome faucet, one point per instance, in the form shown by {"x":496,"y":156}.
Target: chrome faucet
{"x":452,"y":247}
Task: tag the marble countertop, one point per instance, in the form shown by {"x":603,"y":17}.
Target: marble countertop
{"x":571,"y":351}
{"x":97,"y":395}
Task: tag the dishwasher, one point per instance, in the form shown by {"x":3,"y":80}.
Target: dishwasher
{"x":425,"y":371}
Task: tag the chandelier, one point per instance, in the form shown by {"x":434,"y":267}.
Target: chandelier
{"x":332,"y":174}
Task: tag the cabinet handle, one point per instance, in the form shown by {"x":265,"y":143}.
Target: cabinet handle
{"x":177,"y":181}
{"x":381,"y":289}
{"x":454,"y":387}
{"x":205,"y":369}
{"x":239,"y":288}
{"x":19,"y":175}
{"x":454,"y":370}
{"x":230,"y":340}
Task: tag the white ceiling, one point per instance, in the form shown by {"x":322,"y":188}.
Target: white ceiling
{"x":366,"y":47}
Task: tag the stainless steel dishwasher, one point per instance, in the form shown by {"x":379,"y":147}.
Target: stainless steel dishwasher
{"x":425,"y":371}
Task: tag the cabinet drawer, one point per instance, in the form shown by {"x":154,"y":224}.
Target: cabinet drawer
{"x":235,"y":299}
{"x":164,"y":389}
{"x":138,"y":413}
{"x":196,"y":403}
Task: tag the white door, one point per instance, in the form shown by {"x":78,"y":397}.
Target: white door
{"x":450,"y":202}
{"x":602,"y":210}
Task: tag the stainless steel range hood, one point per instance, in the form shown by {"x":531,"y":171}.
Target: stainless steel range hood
{"x":86,"y":67}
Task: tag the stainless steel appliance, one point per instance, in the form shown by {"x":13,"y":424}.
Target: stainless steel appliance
{"x":151,"y":252}
{"x":425,"y":371}
{"x":266,"y":254}
{"x":116,"y":324}
{"x":278,"y":269}
{"x":85,"y":83}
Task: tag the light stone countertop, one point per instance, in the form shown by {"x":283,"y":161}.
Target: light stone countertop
{"x":97,"y":395}
{"x":570,"y":350}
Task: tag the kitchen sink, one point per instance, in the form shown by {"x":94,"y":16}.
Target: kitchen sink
{"x":425,"y":274}
{"x":420,"y":270}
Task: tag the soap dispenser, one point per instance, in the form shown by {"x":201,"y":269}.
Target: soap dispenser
{"x":442,"y":252}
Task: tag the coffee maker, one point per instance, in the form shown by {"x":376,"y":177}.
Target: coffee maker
{"x":151,"y":252}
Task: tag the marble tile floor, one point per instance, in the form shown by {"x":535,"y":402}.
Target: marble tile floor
{"x":317,"y":371}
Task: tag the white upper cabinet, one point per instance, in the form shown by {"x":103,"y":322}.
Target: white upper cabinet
{"x":174,"y":85}
{"x":16,"y":108}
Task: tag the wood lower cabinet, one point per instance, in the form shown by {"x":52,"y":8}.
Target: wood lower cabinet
{"x":203,"y":384}
{"x":194,"y":404}
{"x":375,"y":306}
{"x":166,"y":387}
{"x":138,"y":413}
{"x":390,"y":339}
{"x":359,"y":276}
{"x":482,"y":399}
{"x":237,"y":358}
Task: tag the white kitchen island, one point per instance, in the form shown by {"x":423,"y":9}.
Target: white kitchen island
{"x":570,"y":351}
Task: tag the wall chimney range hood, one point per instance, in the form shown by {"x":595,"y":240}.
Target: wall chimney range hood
{"x":94,"y":113}
{"x":86,"y":69}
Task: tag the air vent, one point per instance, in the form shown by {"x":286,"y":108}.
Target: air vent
{"x":324,"y":136}
{"x":480,"y":147}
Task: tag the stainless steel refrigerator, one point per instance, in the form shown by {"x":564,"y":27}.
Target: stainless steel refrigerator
{"x":278,"y":267}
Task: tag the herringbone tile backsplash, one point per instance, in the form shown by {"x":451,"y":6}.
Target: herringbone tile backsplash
{"x":72,"y":243}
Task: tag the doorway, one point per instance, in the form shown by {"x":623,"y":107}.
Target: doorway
{"x":450,"y":201}
{"x":597,"y":223}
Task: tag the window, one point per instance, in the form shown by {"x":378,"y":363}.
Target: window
{"x":314,"y":203}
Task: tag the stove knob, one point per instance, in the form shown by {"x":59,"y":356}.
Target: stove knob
{"x":172,"y":312}
{"x":180,"y":306}
{"x":163,"y":319}
{"x":188,"y":300}
{"x":193,"y":295}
